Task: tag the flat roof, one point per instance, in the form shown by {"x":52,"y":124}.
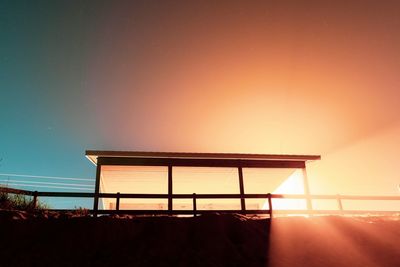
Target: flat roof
{"x":93,"y":155}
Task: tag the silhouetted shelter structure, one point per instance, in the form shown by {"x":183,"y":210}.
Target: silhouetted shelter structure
{"x":160,"y":183}
{"x":161,"y":169}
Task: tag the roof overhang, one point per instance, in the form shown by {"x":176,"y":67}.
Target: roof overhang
{"x":198,"y":159}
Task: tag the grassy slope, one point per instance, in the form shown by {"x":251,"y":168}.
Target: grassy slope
{"x":217,"y":240}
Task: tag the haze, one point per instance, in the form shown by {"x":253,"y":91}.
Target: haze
{"x":291,"y":77}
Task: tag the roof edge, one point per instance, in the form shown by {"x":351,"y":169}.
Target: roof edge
{"x":92,"y":155}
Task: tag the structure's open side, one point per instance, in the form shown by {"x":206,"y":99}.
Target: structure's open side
{"x":146,"y":183}
{"x":171,"y":177}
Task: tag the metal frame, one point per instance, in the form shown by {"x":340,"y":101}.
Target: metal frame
{"x":93,"y":155}
{"x":194,"y":197}
{"x":174,"y":159}
{"x":189,"y":162}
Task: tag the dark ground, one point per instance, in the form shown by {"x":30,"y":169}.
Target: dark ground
{"x":214,"y":240}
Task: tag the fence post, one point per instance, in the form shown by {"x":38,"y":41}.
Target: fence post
{"x":270,"y":205}
{"x":339,"y":202}
{"x":194,"y":205}
{"x":117,"y":202}
{"x":241,"y":188}
{"x":35,"y":201}
{"x":307,"y":191}
{"x":170,"y":190}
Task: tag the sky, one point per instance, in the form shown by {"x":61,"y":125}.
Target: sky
{"x":290,"y":77}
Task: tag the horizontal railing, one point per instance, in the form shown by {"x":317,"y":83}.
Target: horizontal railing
{"x":194,"y":211}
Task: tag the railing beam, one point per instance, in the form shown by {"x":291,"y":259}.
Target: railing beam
{"x":242,"y":196}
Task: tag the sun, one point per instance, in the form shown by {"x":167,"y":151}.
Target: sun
{"x":292,"y":185}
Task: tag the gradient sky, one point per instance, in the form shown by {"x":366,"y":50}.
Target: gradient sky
{"x":292,"y":77}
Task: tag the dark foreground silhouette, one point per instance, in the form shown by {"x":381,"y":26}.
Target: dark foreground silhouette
{"x":214,"y":240}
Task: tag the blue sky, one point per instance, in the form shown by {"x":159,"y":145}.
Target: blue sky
{"x":232,"y":76}
{"x":44,"y":125}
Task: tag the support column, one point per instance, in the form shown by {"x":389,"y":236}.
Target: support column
{"x":241,"y":188}
{"x":307,"y":189}
{"x":170,"y":188}
{"x":96,"y":190}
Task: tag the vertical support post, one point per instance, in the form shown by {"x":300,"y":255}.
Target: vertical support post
{"x":194,"y":205}
{"x":117,"y":202}
{"x":35,"y":200}
{"x":241,"y":188}
{"x":270,"y":205}
{"x":339,"y":202}
{"x":96,"y":190}
{"x":170,"y":188}
{"x":307,"y":190}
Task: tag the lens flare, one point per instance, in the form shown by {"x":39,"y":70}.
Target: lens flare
{"x":292,"y":185}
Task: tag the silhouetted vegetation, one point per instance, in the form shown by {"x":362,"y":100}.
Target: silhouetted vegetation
{"x":19,"y":202}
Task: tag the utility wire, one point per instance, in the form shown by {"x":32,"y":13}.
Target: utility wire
{"x":47,"y":186}
{"x":33,"y":182}
{"x":47,"y":177}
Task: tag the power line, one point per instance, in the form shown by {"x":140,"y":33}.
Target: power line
{"x":48,"y":186}
{"x":33,"y":182}
{"x":47,"y":177}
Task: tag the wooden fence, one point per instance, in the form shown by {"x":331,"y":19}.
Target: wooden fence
{"x":194,"y":197}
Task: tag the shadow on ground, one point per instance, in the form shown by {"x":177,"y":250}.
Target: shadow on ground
{"x":212,"y":240}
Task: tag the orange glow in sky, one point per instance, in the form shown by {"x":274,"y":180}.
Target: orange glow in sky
{"x":268,"y":77}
